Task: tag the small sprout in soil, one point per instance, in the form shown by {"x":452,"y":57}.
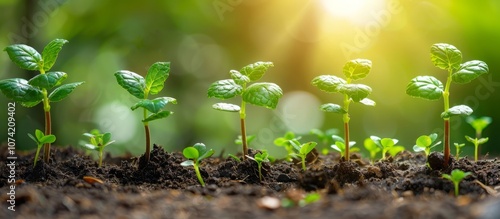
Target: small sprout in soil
{"x":372,"y":148}
{"x":478,"y":124}
{"x":260,"y":158}
{"x":237,"y":159}
{"x":425,"y":143}
{"x":301,"y":151}
{"x":41,"y":139}
{"x":325,"y":138}
{"x":260,"y":94}
{"x":36,"y":90}
{"x":339,"y":145}
{"x":285,"y":142}
{"x":449,"y":58}
{"x":97,"y":142}
{"x":459,"y":149}
{"x":353,"y":70}
{"x":456,"y":177}
{"x":196,"y":153}
{"x":388,"y":145}
{"x":141,"y":88}
{"x":303,"y":201}
{"x":476,"y":143}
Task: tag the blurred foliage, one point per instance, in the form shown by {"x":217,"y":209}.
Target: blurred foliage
{"x":204,"y":39}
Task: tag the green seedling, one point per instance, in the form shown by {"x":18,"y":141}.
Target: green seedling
{"x":285,"y":142}
{"x":259,"y":94}
{"x":97,"y":142}
{"x":456,"y":177}
{"x":325,"y":138}
{"x":425,"y":143}
{"x":305,"y":200}
{"x":141,"y":88}
{"x":340,"y":145}
{"x":387,"y":145}
{"x":301,"y":151}
{"x":372,"y":148}
{"x":353,"y":70}
{"x":41,"y":139}
{"x":478,"y":124}
{"x":476,"y":143}
{"x":260,"y":158}
{"x":449,"y":58}
{"x":459,"y":149}
{"x":237,"y":159}
{"x":30,"y":93}
{"x":196,"y":153}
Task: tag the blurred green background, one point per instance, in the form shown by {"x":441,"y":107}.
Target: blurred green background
{"x":204,"y":39}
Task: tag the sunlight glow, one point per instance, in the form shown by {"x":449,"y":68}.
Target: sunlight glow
{"x":354,"y":10}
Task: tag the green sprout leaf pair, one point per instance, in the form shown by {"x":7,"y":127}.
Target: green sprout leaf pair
{"x":372,"y":148}
{"x":97,"y":142}
{"x":387,"y":145}
{"x":339,"y":145}
{"x":286,"y":142}
{"x":260,"y":158}
{"x":40,"y":139}
{"x":195,"y":154}
{"x":302,"y":150}
{"x":425,"y":143}
{"x":456,"y":177}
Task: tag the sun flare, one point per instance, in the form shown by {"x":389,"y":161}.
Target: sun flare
{"x":354,"y":10}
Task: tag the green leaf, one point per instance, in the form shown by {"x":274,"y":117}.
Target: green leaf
{"x":470,"y":139}
{"x":263,"y":94}
{"x":63,"y":91}
{"x":201,"y":148}
{"x":24,"y":56}
{"x":226,"y":107}
{"x":90,"y":147}
{"x":187,"y":163}
{"x":51,"y":51}
{"x":426,"y":87}
{"x":307,"y":147}
{"x":31,"y":103}
{"x":482,"y":140}
{"x":48,"y":80}
{"x":156,"y":77}
{"x":159,"y":115}
{"x":387,"y":142}
{"x":48,"y":139}
{"x":39,"y":134}
{"x":155,"y":105}
{"x":357,"y":92}
{"x":460,"y":110}
{"x":367,"y":102}
{"x":445,"y":56}
{"x":239,"y":78}
{"x":256,"y":71}
{"x":208,"y":153}
{"x":393,"y":151}
{"x":417,"y":148}
{"x":191,"y":153}
{"x":132,"y":82}
{"x":424,"y":141}
{"x":456,"y":175}
{"x":106,"y":137}
{"x":479,"y":123}
{"x":328,"y":83}
{"x":469,"y":71}
{"x":19,"y":90}
{"x":33,"y":138}
{"x":224,"y":89}
{"x":332,"y":108}
{"x":370,"y":145}
{"x":357,"y":69}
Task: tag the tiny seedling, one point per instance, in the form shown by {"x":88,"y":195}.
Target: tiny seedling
{"x":41,"y":139}
{"x":259,"y":94}
{"x":478,"y":124}
{"x":325,"y":138}
{"x":339,"y":145}
{"x":459,"y":149}
{"x":372,"y":148}
{"x":425,"y":143}
{"x":353,"y":70}
{"x":301,"y":151}
{"x":285,"y":142}
{"x":97,"y":142}
{"x":195,"y":154}
{"x":141,"y":88}
{"x":456,"y":177}
{"x":387,"y":145}
{"x":476,"y":143}
{"x":36,"y":90}
{"x":449,"y":58}
{"x":302,"y":202}
{"x":260,"y":158}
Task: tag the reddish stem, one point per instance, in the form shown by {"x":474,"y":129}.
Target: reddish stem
{"x":244,"y":138}
{"x":48,"y":131}
{"x":346,"y":138}
{"x":446,"y":142}
{"x":148,"y":144}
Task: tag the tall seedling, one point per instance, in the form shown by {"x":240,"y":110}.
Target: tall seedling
{"x":449,"y":58}
{"x":353,"y":70}
{"x":35,"y":90}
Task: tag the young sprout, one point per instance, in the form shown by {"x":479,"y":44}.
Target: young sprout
{"x":41,"y":139}
{"x":476,"y":143}
{"x":353,"y":70}
{"x":373,"y":148}
{"x":141,"y":88}
{"x":425,"y":143}
{"x":260,"y":158}
{"x":339,"y":145}
{"x":459,"y":149}
{"x":301,"y":151}
{"x":36,"y":90}
{"x":478,"y":124}
{"x":260,"y":94}
{"x":97,"y":142}
{"x":285,"y":142}
{"x":302,"y":200}
{"x":388,"y":145}
{"x":325,"y":138}
{"x":449,"y":58}
{"x":456,"y":177}
{"x":196,"y":153}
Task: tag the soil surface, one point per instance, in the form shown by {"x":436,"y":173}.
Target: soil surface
{"x":72,"y":186}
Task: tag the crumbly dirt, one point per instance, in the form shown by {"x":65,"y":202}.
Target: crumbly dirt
{"x":400,"y":187}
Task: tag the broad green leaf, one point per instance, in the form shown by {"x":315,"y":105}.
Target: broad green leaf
{"x":187,"y":163}
{"x":356,"y":92}
{"x":39,"y":134}
{"x":208,"y":153}
{"x":226,"y":107}
{"x":424,"y":141}
{"x":239,"y":78}
{"x":156,"y":77}
{"x":480,"y":123}
{"x":201,"y":148}
{"x":482,"y":140}
{"x":469,"y":71}
{"x":368,"y":102}
{"x":191,"y":153}
{"x":63,"y":91}
{"x":328,"y":83}
{"x":470,"y":139}
{"x":387,"y":142}
{"x":445,"y":56}
{"x":24,"y":56}
{"x":332,"y":108}
{"x":338,"y":146}
{"x":460,"y":110}
{"x":426,"y":87}
{"x":393,"y":151}
{"x":19,"y":90}
{"x":106,"y":137}
{"x":159,"y":115}
{"x":224,"y":89}
{"x":155,"y":105}
{"x":50,"y":53}
{"x":48,"y":139}
{"x":307,"y":147}
{"x":456,"y":175}
{"x":433,"y":136}
{"x":256,"y":70}
{"x":132,"y":82}
{"x":48,"y":80}
{"x":263,"y":94}
{"x":370,"y":145}
{"x":357,"y":69}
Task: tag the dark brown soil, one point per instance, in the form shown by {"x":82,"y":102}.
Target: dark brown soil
{"x":400,"y":187}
